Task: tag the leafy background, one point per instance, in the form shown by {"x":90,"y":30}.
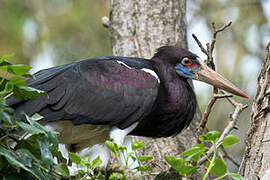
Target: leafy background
{"x":47,"y":33}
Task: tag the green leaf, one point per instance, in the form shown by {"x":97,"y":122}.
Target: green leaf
{"x":46,"y":154}
{"x":142,"y":168}
{"x":81,"y":173}
{"x":3,"y":83}
{"x":179,"y":165}
{"x":219,"y":168}
{"x":194,"y":157}
{"x":10,"y":156}
{"x":26,"y":157}
{"x":122,"y":148}
{"x":176,"y":163}
{"x":30,"y":144}
{"x":24,"y":92}
{"x":116,"y":176}
{"x":188,"y":170}
{"x":3,"y":163}
{"x":36,"y":117}
{"x":60,"y":157}
{"x":211,"y":136}
{"x":113,"y":147}
{"x":62,"y":169}
{"x":74,"y":158}
{"x":17,"y":81}
{"x":145,"y":158}
{"x":193,"y":150}
{"x":16,"y":69}
{"x":194,"y":153}
{"x":29,"y":128}
{"x":236,"y":176}
{"x":137,"y":145}
{"x":96,"y":162}
{"x":28,"y":76}
{"x":3,"y":58}
{"x":133,"y":157}
{"x":229,"y":141}
{"x":8,"y":88}
{"x":51,"y":135}
{"x":4,"y":116}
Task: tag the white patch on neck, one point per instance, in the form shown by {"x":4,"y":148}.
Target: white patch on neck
{"x":122,"y":63}
{"x":118,"y":135}
{"x":152,"y":73}
{"x":143,"y":69}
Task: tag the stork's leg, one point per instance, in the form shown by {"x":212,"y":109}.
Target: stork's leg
{"x":119,"y":136}
{"x":97,"y":150}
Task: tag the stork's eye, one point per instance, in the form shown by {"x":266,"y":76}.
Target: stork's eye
{"x":186,"y":61}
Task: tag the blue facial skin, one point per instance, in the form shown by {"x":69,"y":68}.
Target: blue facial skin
{"x":187,"y":72}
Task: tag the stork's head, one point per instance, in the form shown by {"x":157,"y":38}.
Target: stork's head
{"x":190,"y":66}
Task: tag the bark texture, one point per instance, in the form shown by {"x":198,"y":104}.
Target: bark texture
{"x":137,"y":29}
{"x":256,"y":161}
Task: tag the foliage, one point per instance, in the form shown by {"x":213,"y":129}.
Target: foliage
{"x":88,"y":170}
{"x":130,"y":156}
{"x":214,"y":165}
{"x":27,"y":149}
{"x":91,"y":170}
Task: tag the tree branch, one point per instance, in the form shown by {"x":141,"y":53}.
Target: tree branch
{"x":238,"y":107}
{"x":209,"y":108}
{"x":231,"y":125}
{"x":210,"y":62}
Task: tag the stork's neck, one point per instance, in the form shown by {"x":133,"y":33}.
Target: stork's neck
{"x":174,"y":107}
{"x":174,"y":91}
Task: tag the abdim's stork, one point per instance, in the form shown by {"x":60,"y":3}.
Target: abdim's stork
{"x":108,"y":98}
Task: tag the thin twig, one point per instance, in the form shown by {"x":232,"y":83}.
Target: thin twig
{"x":210,"y":62}
{"x":199,"y":44}
{"x":208,"y":110}
{"x":231,"y":125}
{"x":216,"y":31}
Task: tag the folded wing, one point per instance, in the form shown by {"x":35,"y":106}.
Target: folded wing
{"x":112,"y":91}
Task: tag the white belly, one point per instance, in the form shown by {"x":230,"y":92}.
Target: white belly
{"x":88,"y":140}
{"x":80,"y":136}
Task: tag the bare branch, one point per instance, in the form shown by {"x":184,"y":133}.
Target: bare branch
{"x":238,"y":106}
{"x":231,"y":125}
{"x":208,"y":110}
{"x":210,"y":62}
{"x":199,"y":44}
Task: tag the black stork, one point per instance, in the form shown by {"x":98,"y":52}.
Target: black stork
{"x":108,"y":98}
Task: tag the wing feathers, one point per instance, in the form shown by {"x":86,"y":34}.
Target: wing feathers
{"x":94,"y":92}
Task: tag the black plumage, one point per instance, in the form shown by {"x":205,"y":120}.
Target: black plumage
{"x":119,"y":92}
{"x":93,"y":91}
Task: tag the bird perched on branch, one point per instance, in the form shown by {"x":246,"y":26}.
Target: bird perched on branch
{"x":108,"y":98}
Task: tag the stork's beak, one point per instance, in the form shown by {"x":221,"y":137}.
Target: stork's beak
{"x":209,"y":76}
